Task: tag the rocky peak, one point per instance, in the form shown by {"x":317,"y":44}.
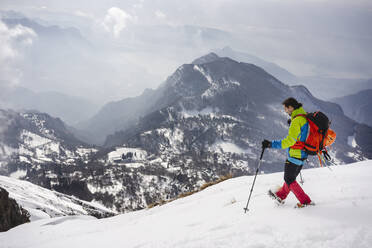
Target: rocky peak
{"x":206,"y":59}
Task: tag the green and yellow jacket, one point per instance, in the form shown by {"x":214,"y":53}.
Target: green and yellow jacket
{"x":298,"y":131}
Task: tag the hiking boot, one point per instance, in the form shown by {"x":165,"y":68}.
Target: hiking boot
{"x":277,"y":199}
{"x":300,"y":205}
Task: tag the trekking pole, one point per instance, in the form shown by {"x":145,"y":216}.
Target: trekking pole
{"x":254,"y":180}
{"x":301,"y":179}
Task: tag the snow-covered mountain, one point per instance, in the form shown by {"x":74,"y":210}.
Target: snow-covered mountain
{"x":214,"y":217}
{"x":218,"y":101}
{"x":35,"y":137}
{"x":34,"y":146}
{"x":42,"y":203}
{"x":206,"y":121}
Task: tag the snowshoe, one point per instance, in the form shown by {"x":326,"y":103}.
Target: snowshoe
{"x":277,"y":199}
{"x":300,"y":205}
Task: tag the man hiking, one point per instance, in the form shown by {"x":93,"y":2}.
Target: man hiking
{"x":298,"y":131}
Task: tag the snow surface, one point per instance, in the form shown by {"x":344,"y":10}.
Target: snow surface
{"x":215,"y":218}
{"x":351,"y":141}
{"x":33,"y":140}
{"x":43,"y":203}
{"x":215,"y":87}
{"x":18,"y":174}
{"x":223,"y":146}
{"x":138,"y":154}
{"x":195,"y":113}
{"x":115,"y":188}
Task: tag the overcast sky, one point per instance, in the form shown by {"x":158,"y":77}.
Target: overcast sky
{"x":309,"y":38}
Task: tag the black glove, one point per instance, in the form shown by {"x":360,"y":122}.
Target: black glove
{"x":289,"y":121}
{"x":266,"y":144}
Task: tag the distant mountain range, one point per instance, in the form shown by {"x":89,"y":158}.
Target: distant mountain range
{"x":325,"y":88}
{"x":280,"y":73}
{"x":47,"y":31}
{"x":358,"y":106}
{"x":116,"y":116}
{"x":330,"y":88}
{"x":70,"y":109}
{"x":205,"y":121}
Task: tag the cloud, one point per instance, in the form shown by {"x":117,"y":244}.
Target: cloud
{"x":160,"y":14}
{"x":311,"y":37}
{"x":138,"y":5}
{"x":116,"y":20}
{"x":12,"y":42}
{"x":83,"y":14}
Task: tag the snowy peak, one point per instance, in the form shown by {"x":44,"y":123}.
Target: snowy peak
{"x":218,"y":75}
{"x":49,"y":127}
{"x":40,"y":124}
{"x":210,"y":79}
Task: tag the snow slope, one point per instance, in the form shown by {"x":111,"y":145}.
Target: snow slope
{"x":215,"y":218}
{"x":43,"y":203}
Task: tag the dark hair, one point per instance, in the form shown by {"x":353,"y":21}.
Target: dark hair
{"x":292,"y":102}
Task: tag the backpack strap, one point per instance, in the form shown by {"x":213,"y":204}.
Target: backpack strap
{"x":303,"y":115}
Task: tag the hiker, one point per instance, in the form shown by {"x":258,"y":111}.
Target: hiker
{"x":298,"y":130}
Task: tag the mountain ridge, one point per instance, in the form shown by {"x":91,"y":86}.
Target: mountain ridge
{"x":357,"y":106}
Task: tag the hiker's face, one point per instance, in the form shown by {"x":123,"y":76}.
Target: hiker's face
{"x":288,"y":110}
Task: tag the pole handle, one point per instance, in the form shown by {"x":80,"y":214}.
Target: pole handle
{"x":263,"y":149}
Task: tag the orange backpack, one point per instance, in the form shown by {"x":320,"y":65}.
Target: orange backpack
{"x":319,"y":136}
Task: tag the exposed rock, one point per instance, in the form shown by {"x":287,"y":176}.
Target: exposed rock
{"x":11,"y":214}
